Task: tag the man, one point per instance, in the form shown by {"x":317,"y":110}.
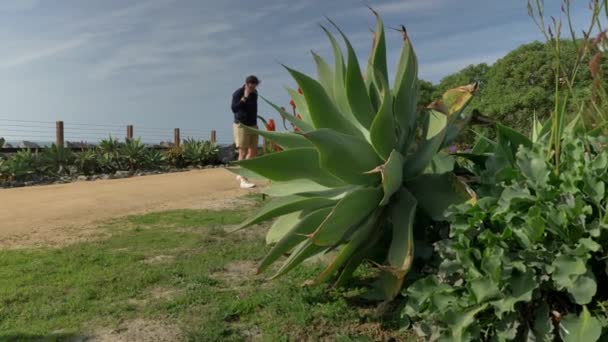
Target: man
{"x":245,"y":109}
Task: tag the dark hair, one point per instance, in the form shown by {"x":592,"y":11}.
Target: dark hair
{"x":252,"y":79}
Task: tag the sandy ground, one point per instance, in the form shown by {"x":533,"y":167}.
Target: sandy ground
{"x":60,"y":214}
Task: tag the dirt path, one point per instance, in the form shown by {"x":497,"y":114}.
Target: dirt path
{"x":59,"y":214}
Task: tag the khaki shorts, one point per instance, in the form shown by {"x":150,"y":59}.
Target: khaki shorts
{"x":244,"y":138}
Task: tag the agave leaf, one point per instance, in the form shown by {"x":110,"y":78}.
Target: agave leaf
{"x":401,"y":251}
{"x":296,"y":235}
{"x":436,"y":193}
{"x":392,"y":175}
{"x":345,"y":156}
{"x":286,"y":205}
{"x":279,"y":189}
{"x":247,"y":173}
{"x":510,"y":140}
{"x":383,"y":131}
{"x":301,"y":163}
{"x":356,"y":91}
{"x":455,"y":100}
{"x":282,"y":226}
{"x":325,"y":74}
{"x":339,"y":71}
{"x":380,"y":69}
{"x":302,"y":125}
{"x":350,"y":211}
{"x":361,"y":254}
{"x":302,"y":107}
{"x":322,"y":110}
{"x":406,"y":92}
{"x":435,"y":132}
{"x":284,"y":139}
{"x":305,"y":250}
{"x":361,"y":235}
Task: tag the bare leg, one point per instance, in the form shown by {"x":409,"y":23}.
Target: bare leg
{"x":252,"y":152}
{"x":242,"y":153}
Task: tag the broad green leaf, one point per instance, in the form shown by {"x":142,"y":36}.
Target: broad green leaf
{"x":582,"y":328}
{"x":392,"y":175}
{"x":285,"y":205}
{"x":459,"y":321}
{"x":282,"y":226}
{"x":296,"y":235}
{"x":301,"y":106}
{"x":584,"y":289}
{"x":302,"y":125}
{"x":278,"y":189}
{"x":535,"y":169}
{"x":361,"y":235}
{"x":435,"y":132}
{"x":566,"y":269}
{"x":301,"y":163}
{"x":325,"y":74}
{"x":455,"y":100}
{"x":442,"y":163}
{"x":401,"y":251}
{"x":542,"y":330}
{"x":435,"y":193}
{"x":511,"y":139}
{"x":339,"y":75}
{"x":362,"y":253}
{"x":358,"y":98}
{"x":284,"y":140}
{"x":484,"y":289}
{"x":406,"y":92}
{"x":346,"y":157}
{"x":305,"y":250}
{"x":522,"y":286}
{"x":350,"y":211}
{"x":380,"y":69}
{"x":322,"y":110}
{"x":383,"y":131}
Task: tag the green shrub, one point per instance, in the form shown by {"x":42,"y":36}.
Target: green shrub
{"x":108,"y":155}
{"x":175,"y":156}
{"x":21,"y":166}
{"x":87,"y":162}
{"x":56,"y":160}
{"x":134,"y":154}
{"x":199,"y":152}
{"x":154,"y":160}
{"x":527,"y":261}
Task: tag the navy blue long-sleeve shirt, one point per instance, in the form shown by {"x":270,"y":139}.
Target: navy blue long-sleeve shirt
{"x":246,"y":112}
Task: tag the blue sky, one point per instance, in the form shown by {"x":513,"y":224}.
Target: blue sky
{"x":175,"y":63}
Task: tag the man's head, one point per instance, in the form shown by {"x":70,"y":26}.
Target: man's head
{"x":251,"y":82}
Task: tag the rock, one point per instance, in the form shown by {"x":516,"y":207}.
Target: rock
{"x":82,"y":178}
{"x":227,"y":153}
{"x":105,"y":176}
{"x":122,"y":174}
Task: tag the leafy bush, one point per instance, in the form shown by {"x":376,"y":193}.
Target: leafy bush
{"x":108,"y":155}
{"x":134,"y":154}
{"x":154,"y":160}
{"x":56,"y":159}
{"x":527,"y":261}
{"x":20,"y":166}
{"x":175,"y":157}
{"x":87,"y":162}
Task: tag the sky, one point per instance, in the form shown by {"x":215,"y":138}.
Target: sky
{"x":99,"y":65}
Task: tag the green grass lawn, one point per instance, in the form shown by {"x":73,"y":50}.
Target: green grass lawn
{"x":179,"y":272}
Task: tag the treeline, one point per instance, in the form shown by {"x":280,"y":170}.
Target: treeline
{"x":521,"y":84}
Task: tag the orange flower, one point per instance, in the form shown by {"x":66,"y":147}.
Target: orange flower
{"x":271,"y":126}
{"x":292,"y":103}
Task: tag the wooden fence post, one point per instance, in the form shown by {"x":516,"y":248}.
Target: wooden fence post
{"x":59,"y":133}
{"x":213,"y":136}
{"x":130,"y":132}
{"x":176,"y":138}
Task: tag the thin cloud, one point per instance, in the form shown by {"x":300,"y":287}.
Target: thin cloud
{"x":45,"y":52}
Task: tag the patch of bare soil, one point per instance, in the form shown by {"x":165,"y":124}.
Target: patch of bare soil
{"x":56,"y":215}
{"x":139,"y":330}
{"x":237,"y":272}
{"x":163,"y":293}
{"x":159,"y":259}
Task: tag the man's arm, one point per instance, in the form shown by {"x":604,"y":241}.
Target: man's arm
{"x":237,"y":101}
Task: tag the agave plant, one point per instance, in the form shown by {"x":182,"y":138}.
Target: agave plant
{"x":134,"y":153}
{"x":363,"y":166}
{"x":87,"y":162}
{"x":56,"y":159}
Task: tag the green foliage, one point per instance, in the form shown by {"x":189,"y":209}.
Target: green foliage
{"x":533,"y":244}
{"x":176,"y":156}
{"x":134,"y":154}
{"x":199,"y":152}
{"x":355,"y":187}
{"x":56,"y":159}
{"x":2,"y":142}
{"x":20,"y":166}
{"x":87,"y":162}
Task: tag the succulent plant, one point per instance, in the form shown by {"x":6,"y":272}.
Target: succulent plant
{"x":361,"y":168}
